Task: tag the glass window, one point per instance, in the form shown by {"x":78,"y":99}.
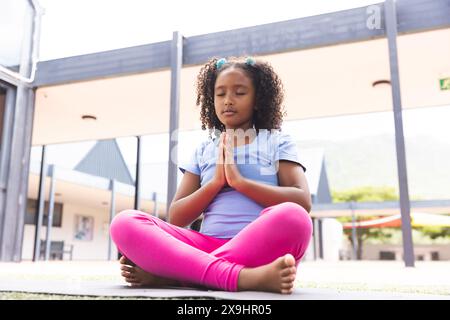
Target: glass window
{"x":387,"y":255}
{"x":15,"y":28}
{"x":31,"y":213}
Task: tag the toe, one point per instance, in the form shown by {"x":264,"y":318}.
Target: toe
{"x":127,"y":269}
{"x":289,"y":278}
{"x":287,"y":291}
{"x":287,"y":285}
{"x":288,"y":271}
{"x":124,"y":260}
{"x":126,"y":274}
{"x":131,"y":279}
{"x":289,"y":260}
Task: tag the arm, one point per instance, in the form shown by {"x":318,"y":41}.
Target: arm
{"x":191,"y":200}
{"x":293,"y":187}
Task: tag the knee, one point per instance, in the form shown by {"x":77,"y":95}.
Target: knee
{"x":292,"y":217}
{"x":122,"y":225}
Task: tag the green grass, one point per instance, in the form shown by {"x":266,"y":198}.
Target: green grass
{"x":412,"y":289}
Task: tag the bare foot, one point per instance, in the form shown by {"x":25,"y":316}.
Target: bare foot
{"x":277,"y":276}
{"x":140,"y":278}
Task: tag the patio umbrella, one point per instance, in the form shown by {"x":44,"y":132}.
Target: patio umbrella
{"x":417,"y":220}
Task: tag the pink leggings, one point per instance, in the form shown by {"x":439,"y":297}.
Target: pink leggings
{"x":188,"y":256}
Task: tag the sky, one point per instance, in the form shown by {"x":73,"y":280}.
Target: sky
{"x":73,"y":27}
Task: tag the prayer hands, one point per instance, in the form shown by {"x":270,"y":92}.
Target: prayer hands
{"x":227,"y":173}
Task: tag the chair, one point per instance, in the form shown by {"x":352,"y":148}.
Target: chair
{"x":57,"y":250}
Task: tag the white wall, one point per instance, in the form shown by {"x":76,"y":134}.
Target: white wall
{"x":332,"y":239}
{"x":96,"y":249}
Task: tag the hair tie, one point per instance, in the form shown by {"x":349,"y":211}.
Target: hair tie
{"x":220,"y":63}
{"x":250,"y":61}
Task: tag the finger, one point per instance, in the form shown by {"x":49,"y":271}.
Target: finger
{"x":220,"y":155}
{"x":229,"y":155}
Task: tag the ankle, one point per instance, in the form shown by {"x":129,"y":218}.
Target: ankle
{"x":245,"y":279}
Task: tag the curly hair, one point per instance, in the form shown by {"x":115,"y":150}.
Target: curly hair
{"x":269,"y":93}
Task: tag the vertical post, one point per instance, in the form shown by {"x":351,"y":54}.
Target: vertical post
{"x":40,"y":207}
{"x":320,"y":234}
{"x":391,"y":31}
{"x":10,"y":101}
{"x":176,"y":61}
{"x":316,"y":236}
{"x":137,"y":188}
{"x":354,"y":240}
{"x":51,"y":205}
{"x":111,"y":214}
{"x":13,"y":200}
{"x":155,"y":204}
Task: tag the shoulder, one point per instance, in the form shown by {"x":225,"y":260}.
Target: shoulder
{"x":204,"y":146}
{"x":284,"y":137}
{"x":278,"y":138}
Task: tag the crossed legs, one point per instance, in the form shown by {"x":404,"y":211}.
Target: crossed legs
{"x":263,"y":256}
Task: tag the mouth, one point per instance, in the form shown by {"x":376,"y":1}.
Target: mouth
{"x":228,"y":112}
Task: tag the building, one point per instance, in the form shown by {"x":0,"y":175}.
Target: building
{"x":359,"y":49}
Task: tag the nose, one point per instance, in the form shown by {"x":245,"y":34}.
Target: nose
{"x":228,"y":101}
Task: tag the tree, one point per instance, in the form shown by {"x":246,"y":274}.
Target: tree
{"x":365,"y":194}
{"x":436,"y":232}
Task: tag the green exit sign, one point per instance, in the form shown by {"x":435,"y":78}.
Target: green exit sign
{"x":445,"y":83}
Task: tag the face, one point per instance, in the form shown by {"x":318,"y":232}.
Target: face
{"x":234,"y":99}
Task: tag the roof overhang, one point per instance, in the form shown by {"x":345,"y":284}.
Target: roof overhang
{"x":328,"y":64}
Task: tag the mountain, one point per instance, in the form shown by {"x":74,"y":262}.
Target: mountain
{"x":371,"y":160}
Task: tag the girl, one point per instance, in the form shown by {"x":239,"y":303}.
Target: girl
{"x":256,"y":225}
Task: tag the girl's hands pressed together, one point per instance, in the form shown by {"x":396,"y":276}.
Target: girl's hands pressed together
{"x":227,"y":173}
{"x":219,"y":176}
{"x":232,"y":174}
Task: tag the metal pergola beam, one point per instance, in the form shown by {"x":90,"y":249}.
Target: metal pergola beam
{"x":112,"y":212}
{"x":405,"y":209}
{"x":14,"y":197}
{"x":39,"y":216}
{"x":51,"y":205}
{"x":176,"y":61}
{"x":296,"y":34}
{"x":137,"y":181}
{"x":379,"y":205}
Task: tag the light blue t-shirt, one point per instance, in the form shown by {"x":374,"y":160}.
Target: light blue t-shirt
{"x":230,"y":211}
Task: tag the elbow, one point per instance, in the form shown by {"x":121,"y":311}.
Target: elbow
{"x":306,"y":203}
{"x":175,"y":219}
{"x":308,"y":206}
{"x":305,"y":200}
{"x":171,"y":216}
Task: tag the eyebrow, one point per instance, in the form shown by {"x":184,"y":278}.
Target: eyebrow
{"x":236,"y":85}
